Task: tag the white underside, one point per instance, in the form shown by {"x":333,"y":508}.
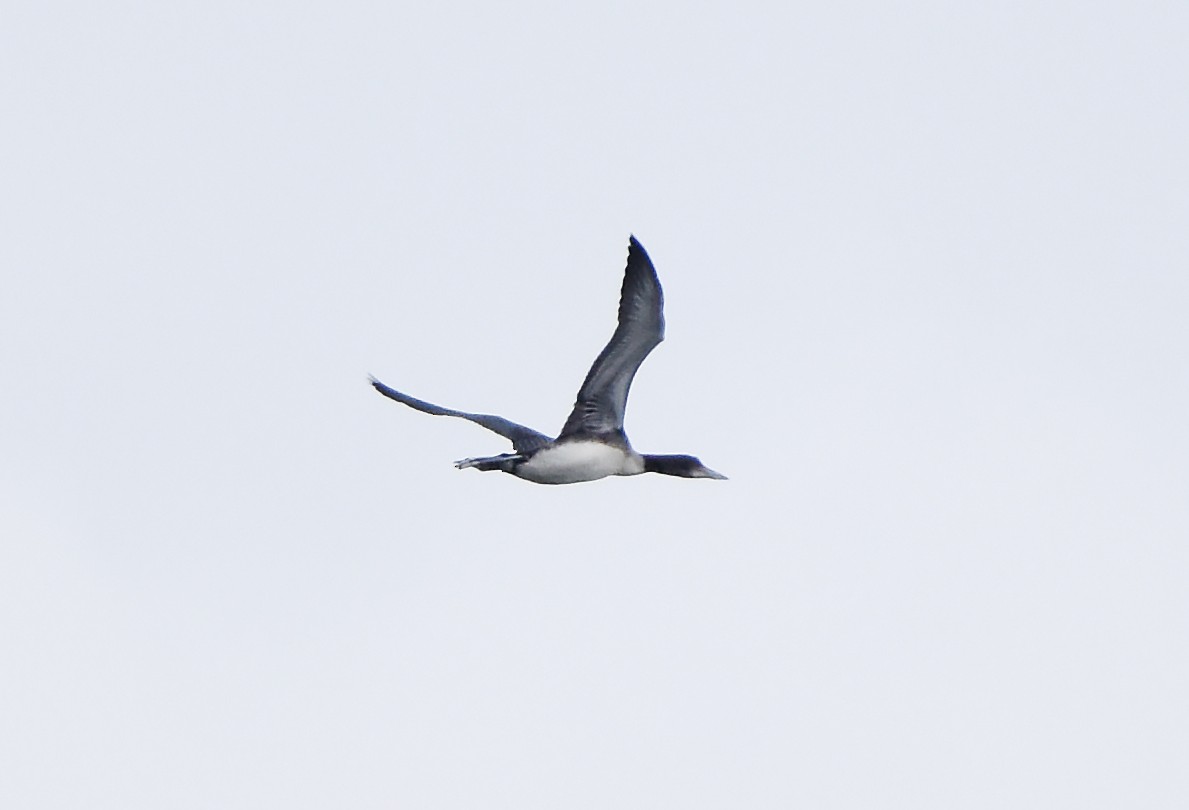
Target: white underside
{"x":571,"y":462}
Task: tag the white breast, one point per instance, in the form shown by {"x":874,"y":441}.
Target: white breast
{"x":571,"y":462}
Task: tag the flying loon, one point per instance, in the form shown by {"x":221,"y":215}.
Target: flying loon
{"x":592,"y":443}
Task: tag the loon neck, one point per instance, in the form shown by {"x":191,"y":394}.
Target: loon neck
{"x":680,"y":465}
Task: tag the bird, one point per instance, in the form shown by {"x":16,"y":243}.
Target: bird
{"x":592,"y":443}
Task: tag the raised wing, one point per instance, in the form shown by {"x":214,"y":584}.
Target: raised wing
{"x":524,"y":440}
{"x":604,"y":394}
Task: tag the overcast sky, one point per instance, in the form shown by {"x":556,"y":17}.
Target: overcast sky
{"x":926,"y":269}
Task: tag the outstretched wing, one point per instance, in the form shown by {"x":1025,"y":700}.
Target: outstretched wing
{"x":524,"y":440}
{"x":604,"y":394}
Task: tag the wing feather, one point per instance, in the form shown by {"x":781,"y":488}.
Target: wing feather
{"x":524,"y":440}
{"x":603,"y":396}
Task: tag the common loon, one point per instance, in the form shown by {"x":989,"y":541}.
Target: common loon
{"x":592,"y":443}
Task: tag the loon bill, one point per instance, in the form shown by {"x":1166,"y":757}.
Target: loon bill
{"x":592,"y":443}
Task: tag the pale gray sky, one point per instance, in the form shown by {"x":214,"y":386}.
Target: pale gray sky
{"x":927,"y":275}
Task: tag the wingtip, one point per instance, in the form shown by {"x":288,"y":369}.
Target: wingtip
{"x":635,"y":248}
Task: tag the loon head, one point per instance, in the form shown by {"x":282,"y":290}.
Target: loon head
{"x":682,"y":466}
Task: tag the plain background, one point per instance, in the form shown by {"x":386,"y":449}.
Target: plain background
{"x":927,"y":275}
